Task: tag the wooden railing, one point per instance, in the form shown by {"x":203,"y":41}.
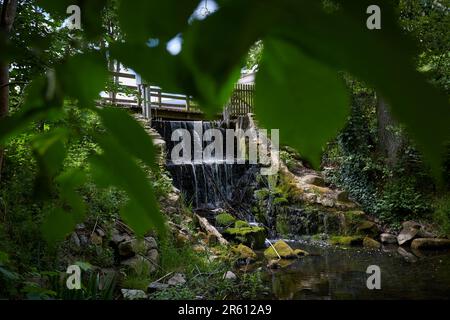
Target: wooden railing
{"x":153,"y":98}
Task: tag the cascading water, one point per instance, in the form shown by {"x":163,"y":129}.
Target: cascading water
{"x":206,"y":180}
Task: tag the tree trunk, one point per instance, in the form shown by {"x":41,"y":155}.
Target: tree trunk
{"x":8,"y":14}
{"x":389,"y":143}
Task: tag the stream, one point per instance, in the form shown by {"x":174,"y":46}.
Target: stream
{"x":331,"y":272}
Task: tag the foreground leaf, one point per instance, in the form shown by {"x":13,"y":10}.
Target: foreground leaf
{"x":303,"y":98}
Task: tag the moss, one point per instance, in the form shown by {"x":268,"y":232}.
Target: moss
{"x":243,"y":252}
{"x":283,"y":250}
{"x":225,"y":219}
{"x":346,"y":240}
{"x":241,"y":224}
{"x":250,"y":236}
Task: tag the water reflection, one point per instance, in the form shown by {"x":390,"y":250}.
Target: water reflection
{"x":340,"y":273}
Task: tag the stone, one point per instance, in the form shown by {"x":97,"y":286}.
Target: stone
{"x":229,"y":275}
{"x":300,"y":252}
{"x":254,"y":237}
{"x":151,"y":243}
{"x":314,"y":180}
{"x":425,"y":234}
{"x":80,"y":227}
{"x":411,"y":224}
{"x":407,"y":234}
{"x":126,"y":248}
{"x":100,"y":232}
{"x":282,"y":248}
{"x":130,"y":294}
{"x":153,"y":256}
{"x":371,"y":243}
{"x":368,"y":228}
{"x":388,"y":238}
{"x":342,"y":196}
{"x":118,"y":238}
{"x":74,"y":240}
{"x":177,"y":279}
{"x":244,"y":252}
{"x":273,"y":264}
{"x":408,"y":256}
{"x":430,"y":244}
{"x":138,"y":264}
{"x":157,"y":286}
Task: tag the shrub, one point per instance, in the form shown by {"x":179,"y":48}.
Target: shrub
{"x":225,"y":219}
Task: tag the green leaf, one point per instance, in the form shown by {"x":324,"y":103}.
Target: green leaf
{"x":83,"y":77}
{"x":50,"y":151}
{"x":68,"y":182}
{"x":382,"y":58}
{"x":129,"y":134}
{"x":215,"y":53}
{"x":142,"y":20}
{"x":116,"y":167}
{"x":57,"y":225}
{"x":303,"y":98}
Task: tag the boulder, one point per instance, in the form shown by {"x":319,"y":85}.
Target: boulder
{"x":254,"y":237}
{"x":300,"y":252}
{"x":229,"y":275}
{"x":139,"y":264}
{"x":282,"y":248}
{"x":126,"y":248}
{"x":407,"y":234}
{"x":388,"y":238}
{"x":408,"y":256}
{"x":371,"y":243}
{"x":368,"y":227}
{"x":157,"y":286}
{"x":151,"y":243}
{"x":430,"y":244}
{"x":177,"y":279}
{"x":129,"y":294}
{"x":75,"y":241}
{"x":244,"y":252}
{"x":153,"y":256}
{"x":411,"y":224}
{"x":314,"y":180}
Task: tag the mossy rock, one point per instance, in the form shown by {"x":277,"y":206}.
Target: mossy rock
{"x":225,"y":219}
{"x":371,"y":243}
{"x":254,"y":237}
{"x":346,"y":240}
{"x":283,"y":249}
{"x":241,"y":224}
{"x":367,"y":227}
{"x":300,"y":252}
{"x":243,"y":252}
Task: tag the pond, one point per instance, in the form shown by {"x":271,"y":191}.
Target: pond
{"x":340,"y":273}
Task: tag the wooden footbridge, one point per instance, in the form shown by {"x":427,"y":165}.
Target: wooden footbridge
{"x":154,"y":103}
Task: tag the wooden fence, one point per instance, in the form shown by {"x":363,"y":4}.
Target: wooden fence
{"x":152,"y":98}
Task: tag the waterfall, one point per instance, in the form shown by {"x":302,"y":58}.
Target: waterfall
{"x":211,"y":182}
